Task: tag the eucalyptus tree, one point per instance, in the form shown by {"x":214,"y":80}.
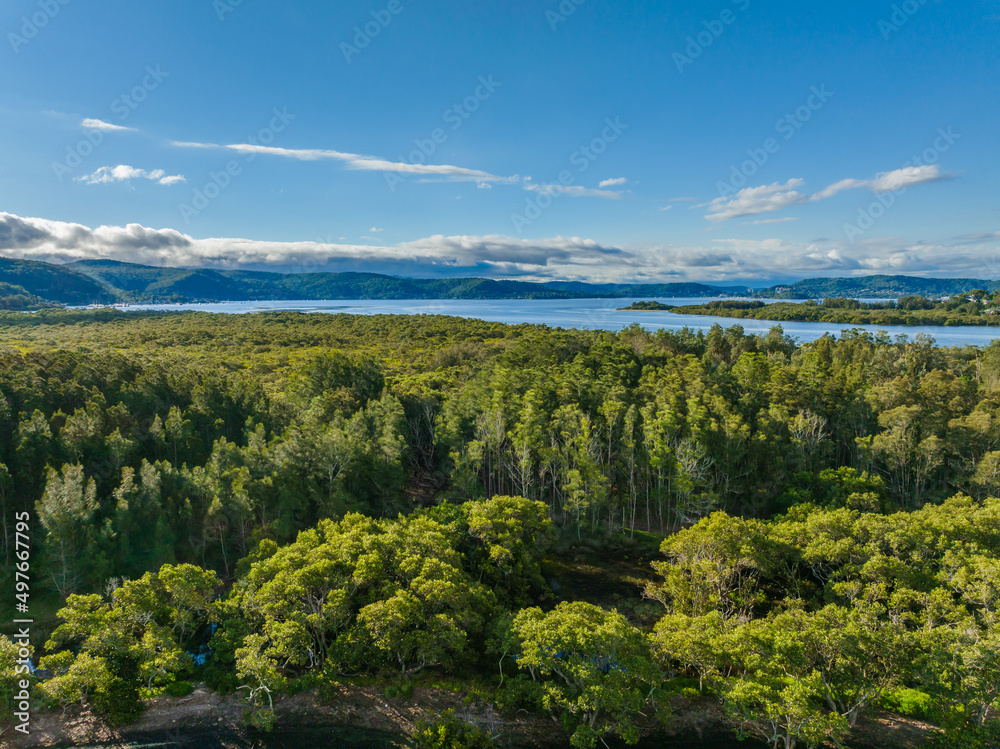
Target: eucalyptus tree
{"x":596,"y":668}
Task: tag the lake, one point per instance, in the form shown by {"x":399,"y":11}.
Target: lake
{"x":593,"y":314}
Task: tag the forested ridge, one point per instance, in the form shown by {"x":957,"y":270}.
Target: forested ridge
{"x":975,"y":307}
{"x":277,"y":502}
{"x":877,"y":286}
{"x":105,"y":281}
{"x":51,"y":283}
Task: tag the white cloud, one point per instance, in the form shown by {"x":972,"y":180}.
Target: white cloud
{"x":753,"y":200}
{"x":899,"y":179}
{"x":666,"y":208}
{"x":612,"y":182}
{"x":125,"y":173}
{"x":500,"y":250}
{"x":92,"y":124}
{"x":426,"y":172}
{"x":575,"y":191}
{"x":356,"y":161}
{"x":193,"y":144}
{"x":908,"y":177}
{"x":299,"y":154}
{"x":376,"y":229}
{"x":727,"y":260}
{"x":979,"y":238}
{"x":56,"y":241}
{"x":764,"y":221}
{"x":844,"y":184}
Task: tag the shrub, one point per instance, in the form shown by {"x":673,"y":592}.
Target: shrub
{"x":680,"y":685}
{"x":262,"y":720}
{"x":403,"y":690}
{"x":520,"y":693}
{"x":451,"y":732}
{"x":909,"y":702}
{"x":968,"y":737}
{"x":178,"y":689}
{"x":119,"y":702}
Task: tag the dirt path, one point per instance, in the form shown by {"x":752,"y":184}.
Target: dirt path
{"x":356,"y":717}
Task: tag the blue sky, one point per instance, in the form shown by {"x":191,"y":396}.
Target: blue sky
{"x":727,"y":140}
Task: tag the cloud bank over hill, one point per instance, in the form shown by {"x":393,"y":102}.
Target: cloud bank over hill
{"x":499,"y":256}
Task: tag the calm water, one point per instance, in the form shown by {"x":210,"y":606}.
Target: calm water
{"x":339,"y":737}
{"x":594,"y":314}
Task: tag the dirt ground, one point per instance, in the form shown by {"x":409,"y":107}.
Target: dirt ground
{"x":904,"y":733}
{"x":174,"y":720}
{"x":363,"y":717}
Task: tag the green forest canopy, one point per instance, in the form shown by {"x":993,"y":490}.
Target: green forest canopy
{"x":973,"y":307}
{"x":342,"y":494}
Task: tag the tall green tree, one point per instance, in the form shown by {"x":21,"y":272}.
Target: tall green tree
{"x":67,"y":511}
{"x":596,"y":668}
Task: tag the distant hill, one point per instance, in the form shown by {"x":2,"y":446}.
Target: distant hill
{"x":876,"y":287}
{"x":55,"y":283}
{"x":107,"y":281}
{"x":648,"y":289}
{"x":141,"y":283}
{"x":14,"y":297}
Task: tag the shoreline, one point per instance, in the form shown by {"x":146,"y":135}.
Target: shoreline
{"x":361,"y":717}
{"x":784,"y":312}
